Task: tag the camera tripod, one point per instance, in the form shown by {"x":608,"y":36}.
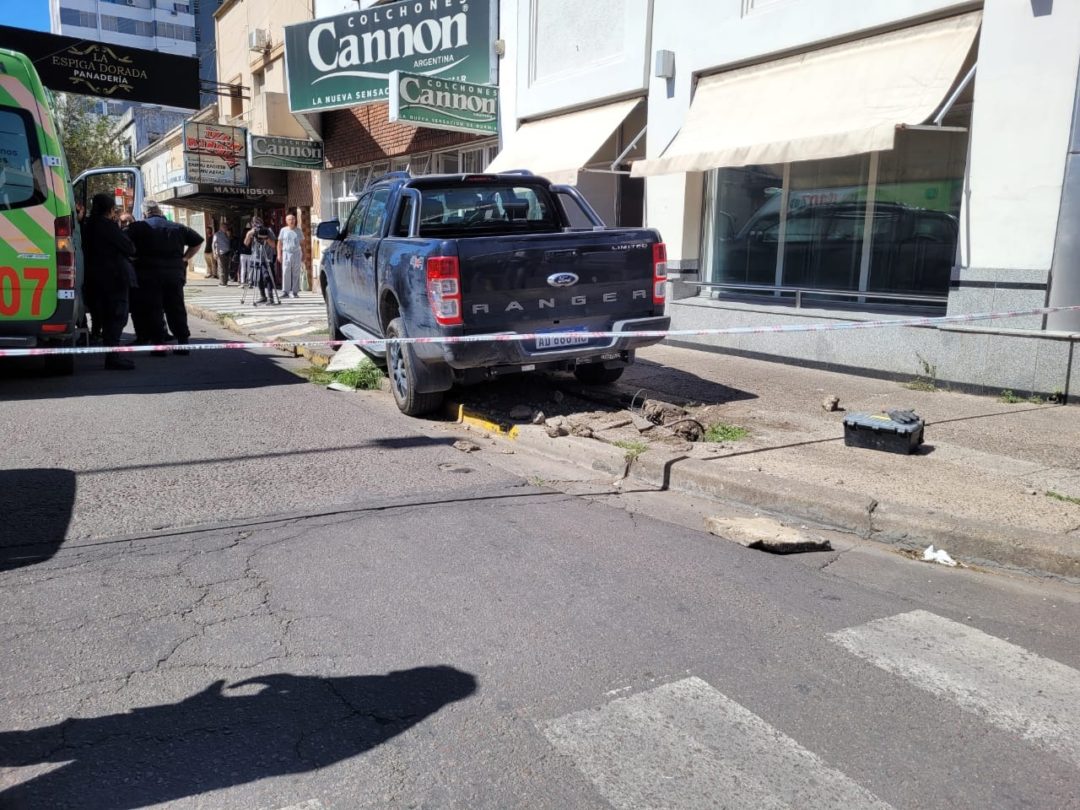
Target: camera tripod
{"x":261,"y":275}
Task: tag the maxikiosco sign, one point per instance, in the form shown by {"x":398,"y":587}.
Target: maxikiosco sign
{"x":431,"y":101}
{"x":347,"y":59}
{"x":271,"y":152}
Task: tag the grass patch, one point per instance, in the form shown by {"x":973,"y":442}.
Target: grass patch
{"x":633,"y":449}
{"x":921,"y":384}
{"x":720,"y":432}
{"x":1057,"y":496}
{"x":927,"y":376}
{"x":1009,"y":398}
{"x":365,"y":377}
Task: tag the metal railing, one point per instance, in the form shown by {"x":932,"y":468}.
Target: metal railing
{"x":799,"y":292}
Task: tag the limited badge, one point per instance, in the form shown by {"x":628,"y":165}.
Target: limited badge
{"x":62,"y":294}
{"x":52,"y":160}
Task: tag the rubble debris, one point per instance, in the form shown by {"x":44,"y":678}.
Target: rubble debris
{"x":831,"y":403}
{"x":466,"y":446}
{"x":765,"y":534}
{"x":659,"y":412}
{"x":539,"y":418}
{"x":557,"y":426}
{"x":690,"y":429}
{"x":641,"y":423}
{"x":584,"y":431}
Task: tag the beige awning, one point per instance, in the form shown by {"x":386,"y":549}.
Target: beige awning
{"x":842,"y":100}
{"x":557,"y":147}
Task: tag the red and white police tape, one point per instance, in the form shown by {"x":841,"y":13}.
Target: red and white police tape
{"x":519,"y":337}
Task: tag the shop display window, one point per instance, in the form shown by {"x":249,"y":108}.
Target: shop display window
{"x":886,"y":222}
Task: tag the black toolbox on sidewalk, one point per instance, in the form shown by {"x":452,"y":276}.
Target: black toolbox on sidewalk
{"x":893,"y":432}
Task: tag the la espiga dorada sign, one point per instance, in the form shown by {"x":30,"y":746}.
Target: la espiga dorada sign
{"x":347,"y":59}
{"x":71,"y":65}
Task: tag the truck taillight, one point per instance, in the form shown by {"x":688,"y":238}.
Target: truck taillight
{"x":659,"y":261}
{"x":65,"y":253}
{"x":444,"y":289}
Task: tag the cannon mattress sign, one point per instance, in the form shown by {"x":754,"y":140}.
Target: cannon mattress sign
{"x":431,"y":101}
{"x":346,"y":60}
{"x":271,"y":152}
{"x":215,"y":154}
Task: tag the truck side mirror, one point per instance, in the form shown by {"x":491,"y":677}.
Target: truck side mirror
{"x":330,"y":229}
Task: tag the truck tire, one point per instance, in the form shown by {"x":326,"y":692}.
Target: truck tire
{"x":399,"y":367}
{"x":333,"y":320}
{"x":598,"y":374}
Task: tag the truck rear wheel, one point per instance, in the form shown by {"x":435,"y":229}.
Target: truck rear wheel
{"x":399,"y":367}
{"x":598,"y":374}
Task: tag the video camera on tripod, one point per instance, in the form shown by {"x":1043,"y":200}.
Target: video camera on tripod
{"x":261,"y":271}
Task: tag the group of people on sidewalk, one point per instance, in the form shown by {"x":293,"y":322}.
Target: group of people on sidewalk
{"x":257,"y":252}
{"x":136,"y":268}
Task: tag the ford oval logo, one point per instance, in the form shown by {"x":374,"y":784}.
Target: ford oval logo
{"x":562,"y":279}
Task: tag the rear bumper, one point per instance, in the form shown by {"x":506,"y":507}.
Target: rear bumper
{"x":30,"y":334}
{"x":489,"y":354}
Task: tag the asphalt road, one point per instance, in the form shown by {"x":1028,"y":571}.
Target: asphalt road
{"x":222,"y":587}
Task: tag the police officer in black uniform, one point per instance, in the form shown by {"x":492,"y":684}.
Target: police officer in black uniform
{"x":162,"y":251}
{"x":110,"y":278}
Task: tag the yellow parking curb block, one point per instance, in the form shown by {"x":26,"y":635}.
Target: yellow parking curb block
{"x":457,"y":412}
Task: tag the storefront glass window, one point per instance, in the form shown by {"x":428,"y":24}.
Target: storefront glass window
{"x":886,"y":222}
{"x":742,"y":223}
{"x":917,"y":212}
{"x":825,"y":222}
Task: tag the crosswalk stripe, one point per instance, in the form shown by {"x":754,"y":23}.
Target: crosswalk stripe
{"x":685,"y":744}
{"x":1006,"y":685}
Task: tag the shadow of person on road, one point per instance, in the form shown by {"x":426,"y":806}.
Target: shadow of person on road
{"x":270,"y":725}
{"x":35,"y":511}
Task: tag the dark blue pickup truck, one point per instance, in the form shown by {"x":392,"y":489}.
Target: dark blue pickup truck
{"x":449,"y":255}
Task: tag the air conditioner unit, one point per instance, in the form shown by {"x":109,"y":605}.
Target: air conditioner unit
{"x":258,"y":39}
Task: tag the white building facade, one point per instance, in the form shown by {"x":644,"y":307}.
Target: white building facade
{"x":819,"y":161}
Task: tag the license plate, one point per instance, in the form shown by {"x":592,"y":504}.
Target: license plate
{"x":561,"y":341}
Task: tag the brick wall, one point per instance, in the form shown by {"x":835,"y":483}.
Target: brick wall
{"x":365,"y":134}
{"x":300,"y":195}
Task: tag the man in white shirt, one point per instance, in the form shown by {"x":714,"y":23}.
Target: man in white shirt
{"x":290,"y":255}
{"x":222,"y":245}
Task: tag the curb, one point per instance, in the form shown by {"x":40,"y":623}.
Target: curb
{"x":984,"y":544}
{"x":319,"y":356}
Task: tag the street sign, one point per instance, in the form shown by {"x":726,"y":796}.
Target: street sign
{"x":272,"y":152}
{"x":215,"y":154}
{"x":115,"y":72}
{"x":437,"y":103}
{"x":346,"y":60}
